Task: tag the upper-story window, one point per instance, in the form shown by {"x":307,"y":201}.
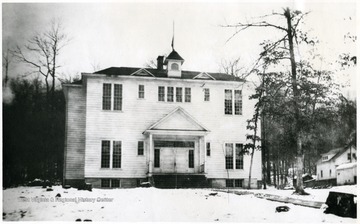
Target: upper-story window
{"x":325,"y":158}
{"x":178,"y":94}
{"x":188,"y":95}
{"x":106,"y":96}
{"x":170,"y":94}
{"x":174,"y":66}
{"x":228,"y":101}
{"x":238,"y":102}
{"x":141,"y":91}
{"x":161,"y":93}
{"x":116,"y":98}
{"x":206,"y":94}
{"x":233,"y":102}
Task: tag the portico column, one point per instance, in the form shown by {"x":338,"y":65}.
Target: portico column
{"x":202,"y":151}
{"x":151,"y":154}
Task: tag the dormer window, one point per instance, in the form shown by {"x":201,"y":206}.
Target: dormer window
{"x":174,"y":67}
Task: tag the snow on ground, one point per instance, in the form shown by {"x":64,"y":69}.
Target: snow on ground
{"x":152,"y":204}
{"x":315,"y":194}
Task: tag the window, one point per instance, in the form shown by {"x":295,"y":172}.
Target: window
{"x":239,"y":182}
{"x":140,"y":148}
{"x":141,"y":91}
{"x":115,"y":183}
{"x":229,"y":156}
{"x":208,"y":149}
{"x":324,"y":158}
{"x":178,"y":94}
{"x":170,"y":94}
{"x":238,"y":102}
{"x":117,"y":154}
{"x":206,"y":94}
{"x":105,"y":154}
{"x":105,"y":183}
{"x":174,"y":66}
{"x":228,"y":101}
{"x":188,"y":95}
{"x":229,"y":183}
{"x":157,"y":158}
{"x":161,"y":93}
{"x":117,"y":97}
{"x":330,"y":173}
{"x":354,"y":155}
{"x":349,"y":156}
{"x":239,"y":162}
{"x":191,"y":158}
{"x":321,"y":173}
{"x":106,"y":96}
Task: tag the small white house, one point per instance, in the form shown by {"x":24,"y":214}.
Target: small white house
{"x":331,"y":162}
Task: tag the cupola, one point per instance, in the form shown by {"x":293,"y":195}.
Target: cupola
{"x":173,"y":64}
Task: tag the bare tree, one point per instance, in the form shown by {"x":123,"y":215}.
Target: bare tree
{"x":41,"y":53}
{"x":7,"y":58}
{"x":233,"y":67}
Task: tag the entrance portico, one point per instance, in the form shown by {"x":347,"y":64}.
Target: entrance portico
{"x":176,"y":145}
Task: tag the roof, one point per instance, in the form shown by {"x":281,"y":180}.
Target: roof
{"x":335,"y":152}
{"x":346,"y":166}
{"x":174,"y":56}
{"x":127,"y":71}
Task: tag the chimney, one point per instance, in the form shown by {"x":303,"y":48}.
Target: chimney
{"x":160,"y":62}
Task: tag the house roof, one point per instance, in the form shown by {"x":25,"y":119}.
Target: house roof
{"x":127,"y":71}
{"x":335,"y":152}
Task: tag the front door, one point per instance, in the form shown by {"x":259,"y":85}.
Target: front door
{"x":175,"y":160}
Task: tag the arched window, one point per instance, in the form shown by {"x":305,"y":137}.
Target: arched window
{"x":174,"y":66}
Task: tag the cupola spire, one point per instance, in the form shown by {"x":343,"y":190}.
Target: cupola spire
{"x":172,"y":42}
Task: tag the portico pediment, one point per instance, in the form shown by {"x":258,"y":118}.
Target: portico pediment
{"x":177,"y":120}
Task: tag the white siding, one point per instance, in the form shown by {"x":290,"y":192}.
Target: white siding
{"x":75,"y":132}
{"x":139,"y":114}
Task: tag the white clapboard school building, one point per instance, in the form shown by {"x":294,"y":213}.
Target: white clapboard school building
{"x":171,"y":127}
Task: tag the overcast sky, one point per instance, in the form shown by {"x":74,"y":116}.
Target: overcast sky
{"x":131,"y":34}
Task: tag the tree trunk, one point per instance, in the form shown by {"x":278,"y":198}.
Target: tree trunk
{"x":299,"y":151}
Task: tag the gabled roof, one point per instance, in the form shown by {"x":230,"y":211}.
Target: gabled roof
{"x":127,"y":71}
{"x":204,"y":75}
{"x":177,"y":120}
{"x":142,"y":72}
{"x":335,"y":154}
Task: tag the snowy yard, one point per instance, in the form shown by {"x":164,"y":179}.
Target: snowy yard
{"x":151,"y":204}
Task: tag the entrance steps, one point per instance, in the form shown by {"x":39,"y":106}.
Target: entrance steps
{"x":180,"y":181}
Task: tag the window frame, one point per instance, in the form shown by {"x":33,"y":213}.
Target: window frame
{"x":116,"y":157}
{"x":141,"y":92}
{"x":228,"y":103}
{"x":170,"y":94}
{"x":206,"y":94}
{"x":105,"y":162}
{"x":140,"y":148}
{"x":117,"y":104}
{"x":157,"y":158}
{"x":239,"y":158}
{"x":229,"y":159}
{"x":179,"y":93}
{"x":161,"y":93}
{"x":187,"y":95}
{"x":208,"y":149}
{"x":106,"y":96}
{"x":237,"y":102}
{"x":191,"y":158}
